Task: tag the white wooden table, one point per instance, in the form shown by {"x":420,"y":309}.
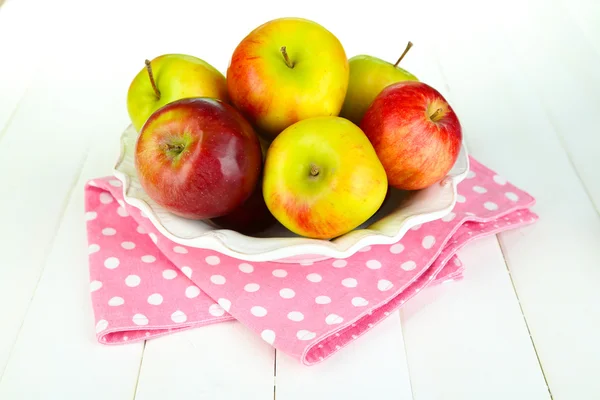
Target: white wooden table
{"x":523,"y":324}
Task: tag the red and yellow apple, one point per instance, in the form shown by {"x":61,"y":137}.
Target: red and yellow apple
{"x":369,"y":75}
{"x":322,"y":177}
{"x":171,"y":77}
{"x":286,"y":70}
{"x":415,"y":132}
{"x":198,"y":158}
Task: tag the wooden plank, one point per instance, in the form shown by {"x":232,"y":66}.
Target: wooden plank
{"x":373,"y":366}
{"x":57,"y":348}
{"x":469,"y":336}
{"x":555,"y":266}
{"x":222,"y":361}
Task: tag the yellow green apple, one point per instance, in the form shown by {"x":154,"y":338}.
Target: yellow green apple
{"x":286,"y":70}
{"x":171,"y":77}
{"x":369,"y":75}
{"x":322,"y":177}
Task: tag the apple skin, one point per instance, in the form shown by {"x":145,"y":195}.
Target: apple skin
{"x":177,"y":76}
{"x":368,"y":77}
{"x":322,"y":178}
{"x":273,"y":95}
{"x":198,"y":158}
{"x":415,"y":149}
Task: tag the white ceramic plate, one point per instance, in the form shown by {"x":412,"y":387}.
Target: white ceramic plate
{"x":398,"y":214}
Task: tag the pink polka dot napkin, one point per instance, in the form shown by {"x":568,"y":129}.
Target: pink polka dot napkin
{"x":143,"y":285}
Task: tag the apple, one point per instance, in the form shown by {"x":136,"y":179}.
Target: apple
{"x":198,"y":158}
{"x":250,"y":217}
{"x":171,"y":77}
{"x":322,"y":177}
{"x":368,"y":77}
{"x":415,"y":132}
{"x":287,"y":70}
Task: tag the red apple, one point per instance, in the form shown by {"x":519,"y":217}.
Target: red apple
{"x":415,"y":132}
{"x":198,"y":158}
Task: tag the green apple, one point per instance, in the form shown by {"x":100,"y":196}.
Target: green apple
{"x":322,"y":177}
{"x":171,"y":77}
{"x":368,"y":77}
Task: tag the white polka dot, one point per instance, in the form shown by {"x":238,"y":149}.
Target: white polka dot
{"x":180,"y":250}
{"x":187,"y":271}
{"x":148,"y":259}
{"x":500,"y":180}
{"x":153,"y":237}
{"x":93,"y":248}
{"x":116,"y":301}
{"x":322,"y":300}
{"x":132,"y":280}
{"x":93,"y":183}
{"x":479,"y":189}
{"x":296,"y":316}
{"x":471,"y":174}
{"x":449,"y":217}
{"x":397,"y":248}
{"x":280,"y":273}
{"x":169,"y":274}
{"x":95,"y":285}
{"x":101,"y":325}
{"x":216,"y":310}
{"x":140,"y":230}
{"x":365,"y":249}
{"x":258,"y":311}
{"x":490,"y":205}
{"x":121,"y":203}
{"x":314,"y":277}
{"x":416,"y":227}
{"x":460,"y":198}
{"x":349,"y":282}
{"x":218,"y":279}
{"x":122,"y":212}
{"x":105,"y":198}
{"x":192,"y":292}
{"x":268,"y":336}
{"x":212,"y":260}
{"x":408,"y":265}
{"x":115,"y":183}
{"x":511,"y":196}
{"x":128,"y":245}
{"x":178,"y":317}
{"x":225,"y":303}
{"x":305,"y":263}
{"x":246,"y":268}
{"x":384,"y":285}
{"x":373,"y":264}
{"x":457,"y":262}
{"x":125,"y":338}
{"x":90,"y":215}
{"x":108,"y":231}
{"x":339,"y":263}
{"x":305,"y":335}
{"x":428,"y":242}
{"x":140,"y":319}
{"x":155,"y":299}
{"x":333,"y":319}
{"x":251,"y":287}
{"x":111,"y":262}
{"x":359,"y":302}
{"x":287,"y":293}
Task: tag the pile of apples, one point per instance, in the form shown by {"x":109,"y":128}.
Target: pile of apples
{"x":295,"y":132}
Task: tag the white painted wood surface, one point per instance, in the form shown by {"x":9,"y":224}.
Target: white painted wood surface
{"x":523,"y":324}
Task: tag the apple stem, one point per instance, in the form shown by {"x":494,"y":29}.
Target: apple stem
{"x":288,"y":62}
{"x":408,"y":46}
{"x":151,"y":76}
{"x":314,"y":170}
{"x":436,"y":114}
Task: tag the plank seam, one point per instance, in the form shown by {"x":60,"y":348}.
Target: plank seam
{"x":60,"y":221}
{"x":537,"y":356}
{"x":406,"y":355}
{"x":137,"y":380}
{"x":13,"y":114}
